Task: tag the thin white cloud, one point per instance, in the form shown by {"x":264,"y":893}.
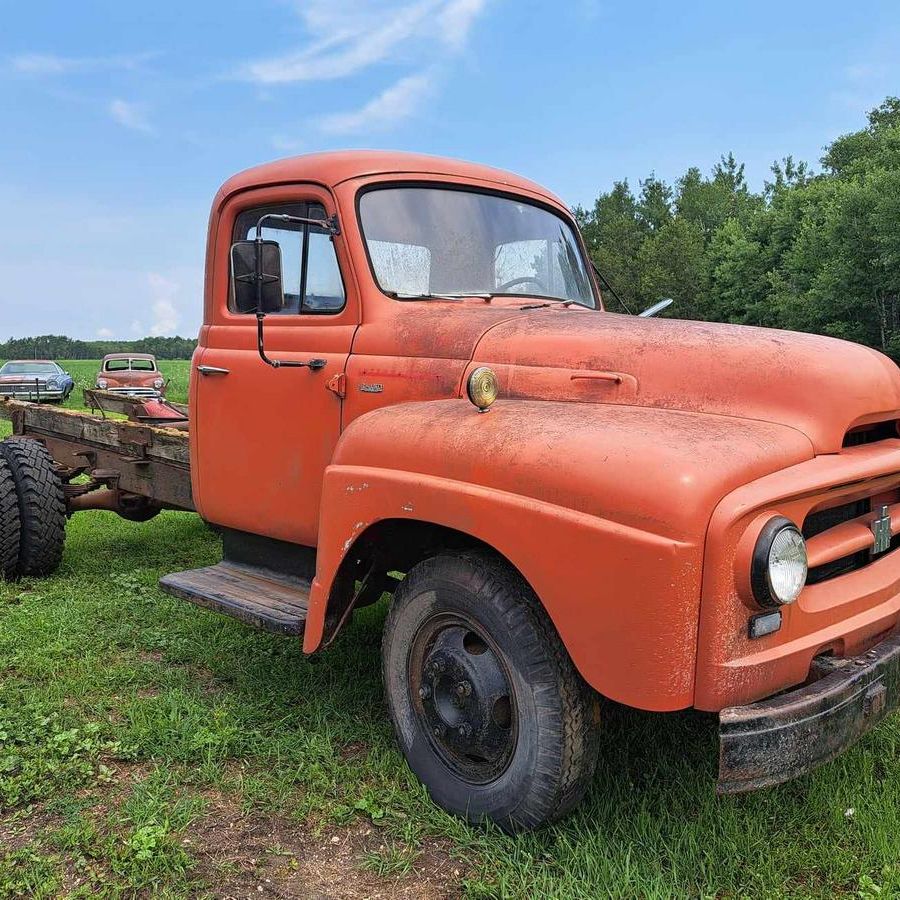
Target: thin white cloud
{"x":130,"y":115}
{"x":348,"y":37}
{"x":165,"y":314}
{"x":104,"y":332}
{"x":456,"y":19}
{"x":45,"y":64}
{"x":398,"y":102}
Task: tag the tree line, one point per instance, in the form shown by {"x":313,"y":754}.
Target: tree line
{"x":812,"y":251}
{"x":57,"y":346}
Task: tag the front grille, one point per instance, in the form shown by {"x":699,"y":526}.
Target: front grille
{"x":23,"y":387}
{"x":135,"y":391}
{"x":822,"y":520}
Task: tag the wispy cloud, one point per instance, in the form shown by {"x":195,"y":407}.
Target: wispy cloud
{"x":456,"y":19}
{"x":105,"y":333}
{"x":400,"y":101}
{"x":165,"y":314}
{"x":347,"y":37}
{"x":46,"y":64}
{"x":130,"y":115}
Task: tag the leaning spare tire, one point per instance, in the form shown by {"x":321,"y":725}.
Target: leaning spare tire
{"x":9,"y":523}
{"x":42,"y":506}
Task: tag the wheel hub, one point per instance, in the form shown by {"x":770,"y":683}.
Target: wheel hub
{"x":466,"y":703}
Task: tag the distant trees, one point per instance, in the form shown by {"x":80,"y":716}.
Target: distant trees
{"x":57,"y":346}
{"x":813,"y":251}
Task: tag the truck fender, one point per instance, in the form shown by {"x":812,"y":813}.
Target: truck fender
{"x":633,"y":652}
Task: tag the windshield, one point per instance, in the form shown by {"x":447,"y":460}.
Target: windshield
{"x":29,"y":368}
{"x":435,"y":240}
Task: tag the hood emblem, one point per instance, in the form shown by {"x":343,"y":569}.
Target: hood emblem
{"x":881,"y":531}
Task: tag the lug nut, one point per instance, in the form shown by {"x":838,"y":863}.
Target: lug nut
{"x":438,"y":731}
{"x":465,"y":731}
{"x":424,"y":692}
{"x":463,"y":690}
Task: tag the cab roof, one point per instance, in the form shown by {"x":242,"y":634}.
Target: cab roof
{"x":129,"y":356}
{"x":334,"y":167}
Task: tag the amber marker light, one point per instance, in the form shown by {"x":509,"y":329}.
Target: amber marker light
{"x":482,"y":388}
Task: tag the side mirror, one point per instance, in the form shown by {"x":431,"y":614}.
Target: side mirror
{"x":256,"y":288}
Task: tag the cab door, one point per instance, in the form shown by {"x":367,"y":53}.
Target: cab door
{"x":261,"y":437}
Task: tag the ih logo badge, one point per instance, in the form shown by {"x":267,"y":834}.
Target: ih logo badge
{"x":881,"y":530}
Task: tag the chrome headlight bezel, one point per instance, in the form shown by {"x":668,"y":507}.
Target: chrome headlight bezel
{"x":776,"y":530}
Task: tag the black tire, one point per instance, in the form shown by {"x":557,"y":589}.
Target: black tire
{"x":42,"y":506}
{"x":9,"y":523}
{"x":550,"y":714}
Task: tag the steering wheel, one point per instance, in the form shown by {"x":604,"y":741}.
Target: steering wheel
{"x":524,"y":280}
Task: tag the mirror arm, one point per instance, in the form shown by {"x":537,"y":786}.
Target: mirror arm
{"x":331,"y":226}
{"x":314,"y":364}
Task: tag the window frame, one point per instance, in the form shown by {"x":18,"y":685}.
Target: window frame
{"x":304,"y":231}
{"x":561,"y":214}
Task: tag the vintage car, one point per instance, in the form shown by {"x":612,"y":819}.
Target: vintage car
{"x":135,"y":374}
{"x":35,"y":379}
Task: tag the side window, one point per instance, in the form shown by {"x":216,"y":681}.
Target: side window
{"x":309,"y":266}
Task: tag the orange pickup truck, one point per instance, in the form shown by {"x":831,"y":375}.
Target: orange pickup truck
{"x":406,"y":383}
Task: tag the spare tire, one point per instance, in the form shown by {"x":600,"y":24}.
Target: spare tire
{"x":42,"y":505}
{"x":9,"y":523}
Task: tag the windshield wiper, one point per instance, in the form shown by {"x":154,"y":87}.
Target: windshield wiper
{"x":551,"y":300}
{"x":432,"y":295}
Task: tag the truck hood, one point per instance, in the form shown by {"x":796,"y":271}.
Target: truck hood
{"x":820,"y":386}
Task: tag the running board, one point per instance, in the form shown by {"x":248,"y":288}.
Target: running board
{"x":255,"y":596}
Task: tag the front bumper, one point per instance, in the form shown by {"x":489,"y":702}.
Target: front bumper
{"x":775,"y":740}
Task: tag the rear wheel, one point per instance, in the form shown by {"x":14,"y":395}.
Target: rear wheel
{"x":9,"y":523}
{"x":41,"y":505}
{"x":487,"y":706}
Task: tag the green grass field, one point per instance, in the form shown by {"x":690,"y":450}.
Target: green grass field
{"x":149,"y":748}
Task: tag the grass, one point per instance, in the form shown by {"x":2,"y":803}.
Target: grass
{"x":145,"y":744}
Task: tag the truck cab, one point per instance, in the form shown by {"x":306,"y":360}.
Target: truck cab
{"x":407,"y":383}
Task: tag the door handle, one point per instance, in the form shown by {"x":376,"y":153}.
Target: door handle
{"x":212,"y":370}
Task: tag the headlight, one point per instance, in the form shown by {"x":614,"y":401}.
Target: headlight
{"x":52,"y":384}
{"x":779,"y":564}
{"x":482,"y":388}
{"x":158,"y":383}
{"x":102,"y":383}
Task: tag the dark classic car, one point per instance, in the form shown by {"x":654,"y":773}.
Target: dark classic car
{"x":35,"y":379}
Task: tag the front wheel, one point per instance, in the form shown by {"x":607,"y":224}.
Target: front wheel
{"x":487,"y":706}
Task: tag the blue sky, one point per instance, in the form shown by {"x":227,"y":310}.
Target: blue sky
{"x":121,"y":119}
